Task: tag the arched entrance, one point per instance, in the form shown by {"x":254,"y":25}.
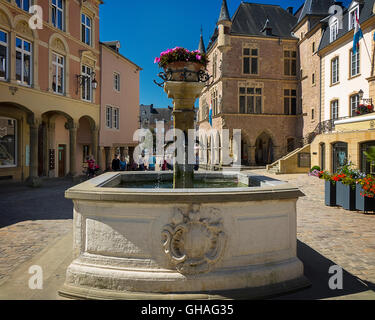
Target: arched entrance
{"x":264,"y":150}
{"x":86,"y":145}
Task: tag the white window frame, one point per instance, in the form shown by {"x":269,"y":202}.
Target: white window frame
{"x":23,"y":54}
{"x":335,"y":109}
{"x":355,"y":64}
{"x":57,"y":10}
{"x":56,"y":65}
{"x":6,"y":45}
{"x":112,"y":117}
{"x":116,"y":81}
{"x":354,"y":103}
{"x":335,"y":70}
{"x":86,"y":72}
{"x":87,"y":27}
{"x":15,"y":142}
{"x":351,"y":17}
{"x":334,"y":30}
{"x":21,"y":6}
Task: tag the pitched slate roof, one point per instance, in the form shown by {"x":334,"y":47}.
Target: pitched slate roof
{"x":250,"y":19}
{"x":315,"y":7}
{"x":365,"y":12}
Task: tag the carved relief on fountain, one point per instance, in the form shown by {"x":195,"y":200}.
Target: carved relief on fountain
{"x":194,"y":241}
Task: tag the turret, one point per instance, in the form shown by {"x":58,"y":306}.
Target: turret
{"x":201,"y":48}
{"x":224,"y":24}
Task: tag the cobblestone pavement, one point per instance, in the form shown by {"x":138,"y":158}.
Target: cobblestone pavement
{"x":30,"y":220}
{"x":346,"y":238}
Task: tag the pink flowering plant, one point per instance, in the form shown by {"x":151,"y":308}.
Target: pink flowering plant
{"x":179,"y":54}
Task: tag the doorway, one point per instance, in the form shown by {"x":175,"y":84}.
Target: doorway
{"x":62,"y":160}
{"x":340,"y":155}
{"x":264,"y":150}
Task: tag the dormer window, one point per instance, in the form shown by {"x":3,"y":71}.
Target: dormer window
{"x":352,"y":14}
{"x":334,"y":28}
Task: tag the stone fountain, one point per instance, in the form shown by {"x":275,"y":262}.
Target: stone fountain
{"x":186,"y":242}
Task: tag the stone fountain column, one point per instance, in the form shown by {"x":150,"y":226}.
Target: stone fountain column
{"x":184,"y":95}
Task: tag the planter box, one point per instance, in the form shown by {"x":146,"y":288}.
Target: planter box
{"x":347,"y":196}
{"x":339,"y":193}
{"x":330,"y":194}
{"x":363,"y":203}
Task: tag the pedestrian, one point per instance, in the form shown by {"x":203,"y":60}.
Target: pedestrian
{"x":151,"y":164}
{"x":92,"y":168}
{"x":123,"y":164}
{"x":116,"y":163}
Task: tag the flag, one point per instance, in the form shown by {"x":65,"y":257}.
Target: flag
{"x":358,"y":34}
{"x":210,"y":114}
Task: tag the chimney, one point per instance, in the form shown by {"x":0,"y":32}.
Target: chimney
{"x":290,"y":10}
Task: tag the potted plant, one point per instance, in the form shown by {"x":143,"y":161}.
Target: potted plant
{"x":347,"y":189}
{"x":364,"y":109}
{"x":181,"y":64}
{"x":336,"y":178}
{"x":330,"y":188}
{"x":365,"y":194}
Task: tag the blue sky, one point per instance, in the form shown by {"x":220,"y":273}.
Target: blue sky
{"x":146,"y":28}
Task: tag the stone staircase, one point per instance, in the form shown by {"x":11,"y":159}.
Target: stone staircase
{"x":287,"y":164}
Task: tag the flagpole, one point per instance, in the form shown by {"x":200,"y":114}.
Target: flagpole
{"x":368,"y":52}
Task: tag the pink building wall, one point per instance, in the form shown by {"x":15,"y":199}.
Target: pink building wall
{"x":127,"y":99}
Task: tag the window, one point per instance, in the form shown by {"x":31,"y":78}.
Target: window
{"x":313,"y":47}
{"x":290,"y":63}
{"x":86,"y":29}
{"x":214,"y":67}
{"x":335,"y":109}
{"x":355,"y":63}
{"x":250,"y":100}
{"x":335,"y":70}
{"x":354,"y":103}
{"x":58,"y":14}
{"x":87,"y":83}
{"x":23,"y":61}
{"x":334,"y":28}
{"x":24,"y":4}
{"x":312,"y":114}
{"x":215,"y":110}
{"x":58,"y":73}
{"x":8,"y":142}
{"x":313,"y":78}
{"x":352,"y":15}
{"x":3,"y":55}
{"x":112,"y":118}
{"x":116,"y":79}
{"x":290,"y":101}
{"x":250,"y":61}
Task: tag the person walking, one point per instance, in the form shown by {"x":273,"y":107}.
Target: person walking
{"x":123,"y":164}
{"x":116,"y":163}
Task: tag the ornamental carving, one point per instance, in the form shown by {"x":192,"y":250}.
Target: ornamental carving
{"x":88,"y":58}
{"x":57,"y":44}
{"x":23,"y":27}
{"x":4,"y":19}
{"x":194,"y":241}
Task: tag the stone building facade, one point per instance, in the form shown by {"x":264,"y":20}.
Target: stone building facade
{"x":49,"y":107}
{"x":255,"y":82}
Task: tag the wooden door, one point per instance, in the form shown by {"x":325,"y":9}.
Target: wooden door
{"x":62,"y":160}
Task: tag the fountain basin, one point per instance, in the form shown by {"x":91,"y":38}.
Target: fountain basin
{"x":137,"y":243}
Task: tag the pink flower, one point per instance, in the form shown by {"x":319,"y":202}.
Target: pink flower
{"x":198,"y":57}
{"x":157,"y":60}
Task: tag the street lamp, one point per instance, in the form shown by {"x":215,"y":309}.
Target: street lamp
{"x":361,"y":94}
{"x":82,"y":79}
